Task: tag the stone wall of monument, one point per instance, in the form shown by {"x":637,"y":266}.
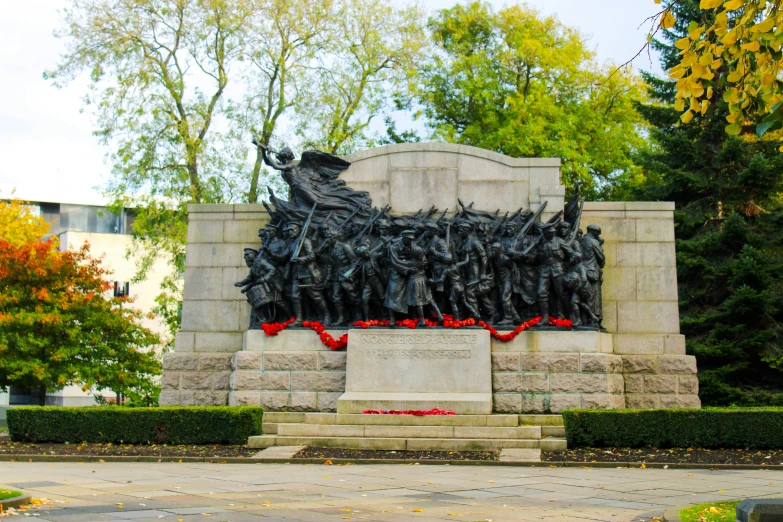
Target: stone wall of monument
{"x":214,"y":312}
{"x":640,"y":302}
{"x":412,"y":176}
{"x":641,"y":364}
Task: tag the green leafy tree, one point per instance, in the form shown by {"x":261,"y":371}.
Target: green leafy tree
{"x":517,"y":82}
{"x":58,"y":327}
{"x":159,"y":71}
{"x":370,"y":61}
{"x":282,"y":45}
{"x":728,"y":221}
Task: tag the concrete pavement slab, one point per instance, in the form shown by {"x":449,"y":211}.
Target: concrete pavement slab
{"x":379,"y":492}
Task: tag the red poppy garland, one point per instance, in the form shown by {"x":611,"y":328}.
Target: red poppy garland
{"x":417,"y":413}
{"x":271,"y":329}
{"x":560,"y":323}
{"x":326,"y":339}
{"x":512,"y":334}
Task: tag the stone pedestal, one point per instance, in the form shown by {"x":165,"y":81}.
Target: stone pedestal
{"x":405,"y":369}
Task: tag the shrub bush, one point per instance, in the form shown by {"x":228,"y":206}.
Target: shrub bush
{"x":757,"y":428}
{"x":169,"y":425}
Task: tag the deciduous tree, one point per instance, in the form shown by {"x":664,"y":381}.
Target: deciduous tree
{"x":282,"y":44}
{"x":159,"y":70}
{"x":19,"y":224}
{"x":736,"y":44}
{"x":371,"y":57}
{"x":523,"y":84}
{"x":58,"y":327}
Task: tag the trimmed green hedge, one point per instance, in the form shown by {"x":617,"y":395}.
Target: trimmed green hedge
{"x":757,"y":428}
{"x":168,"y":425}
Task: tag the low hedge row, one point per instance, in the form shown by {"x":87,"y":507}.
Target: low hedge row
{"x":757,"y":428}
{"x":169,"y":425}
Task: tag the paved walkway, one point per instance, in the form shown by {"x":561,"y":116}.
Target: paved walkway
{"x":83,"y":492}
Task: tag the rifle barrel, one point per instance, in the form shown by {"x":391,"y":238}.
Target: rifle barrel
{"x":303,"y":234}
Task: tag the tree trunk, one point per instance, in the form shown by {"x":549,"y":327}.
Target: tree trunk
{"x":195,"y":182}
{"x":42,"y":395}
{"x":252,"y":194}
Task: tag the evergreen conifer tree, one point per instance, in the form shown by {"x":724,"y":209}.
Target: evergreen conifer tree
{"x":729,"y":229}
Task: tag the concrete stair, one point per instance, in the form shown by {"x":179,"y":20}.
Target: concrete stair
{"x":408,"y":432}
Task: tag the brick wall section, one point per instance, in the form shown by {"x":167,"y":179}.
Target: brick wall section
{"x":640,"y":302}
{"x":292,"y":371}
{"x":214,"y":312}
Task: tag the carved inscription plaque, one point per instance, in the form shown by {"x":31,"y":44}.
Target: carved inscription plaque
{"x":417,"y":345}
{"x":410,"y":361}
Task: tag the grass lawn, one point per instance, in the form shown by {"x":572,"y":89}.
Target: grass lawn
{"x":720,"y":511}
{"x":9,"y":493}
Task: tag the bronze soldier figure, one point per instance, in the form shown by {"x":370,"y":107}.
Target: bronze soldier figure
{"x":580,"y":293}
{"x":306,"y":275}
{"x":552,"y":254}
{"x":271,"y":242}
{"x":506,"y":271}
{"x":407,"y":280}
{"x":594,"y":260}
{"x":476,"y":270}
{"x":257,"y":286}
{"x":343,"y":289}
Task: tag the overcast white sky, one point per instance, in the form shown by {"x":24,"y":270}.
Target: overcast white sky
{"x":48,"y":153}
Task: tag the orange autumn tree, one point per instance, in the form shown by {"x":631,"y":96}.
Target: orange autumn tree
{"x":59,"y":326}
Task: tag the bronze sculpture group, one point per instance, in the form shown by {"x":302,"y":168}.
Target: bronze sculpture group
{"x":327,"y":255}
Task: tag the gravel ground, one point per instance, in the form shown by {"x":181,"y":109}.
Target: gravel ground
{"x":675,"y":455}
{"x":152,"y":450}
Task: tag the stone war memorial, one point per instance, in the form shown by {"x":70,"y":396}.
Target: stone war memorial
{"x":428,"y":276}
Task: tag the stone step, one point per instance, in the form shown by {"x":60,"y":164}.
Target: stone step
{"x":462,"y":403}
{"x":277,"y":417}
{"x":551,"y":431}
{"x":508,"y":421}
{"x":407,"y":432}
{"x":270,"y":428}
{"x":410,"y":444}
{"x":539,"y":420}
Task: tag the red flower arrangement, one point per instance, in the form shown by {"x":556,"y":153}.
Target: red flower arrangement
{"x":512,"y":334}
{"x":560,"y":323}
{"x":326,"y":339}
{"x":372,"y":322}
{"x":450,"y":322}
{"x":341,"y":343}
{"x":272,"y":329}
{"x":417,"y":413}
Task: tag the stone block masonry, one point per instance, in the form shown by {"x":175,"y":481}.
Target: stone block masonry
{"x":214,"y":312}
{"x":292,"y":371}
{"x":640,"y":363}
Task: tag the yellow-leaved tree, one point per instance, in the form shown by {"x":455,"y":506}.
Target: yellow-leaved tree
{"x":736,"y":45}
{"x":19,"y":224}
